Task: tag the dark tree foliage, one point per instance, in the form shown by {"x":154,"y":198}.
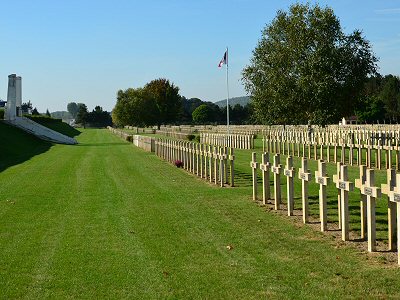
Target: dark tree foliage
{"x":305,"y":68}
{"x":73,"y":109}
{"x":380,"y":101}
{"x":48,"y":113}
{"x":99,"y":118}
{"x":202,"y":114}
{"x":239,"y":114}
{"x":188,"y":107}
{"x":160,"y":103}
{"x":167,"y":99}
{"x":35,"y":112}
{"x":135,"y":108}
{"x":82,"y":115}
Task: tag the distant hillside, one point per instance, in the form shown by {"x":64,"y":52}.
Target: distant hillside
{"x":233,"y":101}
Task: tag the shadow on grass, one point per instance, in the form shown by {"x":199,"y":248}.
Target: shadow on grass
{"x":101,"y":144}
{"x":18,"y":146}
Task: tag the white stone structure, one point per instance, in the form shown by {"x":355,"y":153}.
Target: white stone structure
{"x":18,"y":96}
{"x":11,"y":111}
{"x":14,"y":117}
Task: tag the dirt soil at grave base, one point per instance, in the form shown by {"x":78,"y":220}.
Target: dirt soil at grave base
{"x":382,"y":256}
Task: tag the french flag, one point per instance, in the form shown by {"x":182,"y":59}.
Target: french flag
{"x":224,"y":60}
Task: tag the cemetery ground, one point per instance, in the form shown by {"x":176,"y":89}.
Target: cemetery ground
{"x":104,"y":219}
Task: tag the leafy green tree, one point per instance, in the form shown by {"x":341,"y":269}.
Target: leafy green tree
{"x":99,"y":117}
{"x":167,"y":99}
{"x":372,"y":110}
{"x":390,"y":96}
{"x":188,"y":106}
{"x":305,"y":68}
{"x":202,"y":114}
{"x":73,"y":109}
{"x":134,"y":108}
{"x":82,"y":115}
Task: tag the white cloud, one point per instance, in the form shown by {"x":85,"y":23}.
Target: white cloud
{"x":388,"y":11}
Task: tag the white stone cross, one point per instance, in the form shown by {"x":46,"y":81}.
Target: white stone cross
{"x":345,"y":186}
{"x":372,"y":192}
{"x":222,"y":160}
{"x":323,"y":180}
{"x":231,"y":158}
{"x":289,"y":172}
{"x":335,"y":179}
{"x":305,"y":176}
{"x":215,"y":156}
{"x":276,"y":169}
{"x":264,"y":167}
{"x":254,"y":166}
{"x":386,"y":189}
{"x":210,"y":165}
{"x":359,"y":182}
{"x":395,"y":197}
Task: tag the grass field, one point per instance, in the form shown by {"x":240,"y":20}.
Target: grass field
{"x":104,"y":219}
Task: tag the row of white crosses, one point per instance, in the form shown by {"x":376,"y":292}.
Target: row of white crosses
{"x":304,"y":144}
{"x":238,"y":141}
{"x":214,"y":164}
{"x":366,"y":183}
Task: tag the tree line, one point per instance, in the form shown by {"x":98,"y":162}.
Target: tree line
{"x":159,"y":102}
{"x":96,"y":118}
{"x":380,"y":101}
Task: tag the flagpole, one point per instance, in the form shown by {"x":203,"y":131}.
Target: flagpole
{"x":227,"y":88}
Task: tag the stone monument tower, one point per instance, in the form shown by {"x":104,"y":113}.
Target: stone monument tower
{"x":18,"y":96}
{"x":11,"y":98}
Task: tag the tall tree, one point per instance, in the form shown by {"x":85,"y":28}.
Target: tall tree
{"x":202,"y":114}
{"x":82,"y":115}
{"x":167,"y":99}
{"x":305,"y":68}
{"x":133,"y":107}
{"x":73,"y":109}
{"x":99,"y":117}
{"x":390,"y":96}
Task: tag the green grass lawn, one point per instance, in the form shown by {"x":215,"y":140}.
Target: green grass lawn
{"x":104,"y":219}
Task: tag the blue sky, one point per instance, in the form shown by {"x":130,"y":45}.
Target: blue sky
{"x":85,"y":51}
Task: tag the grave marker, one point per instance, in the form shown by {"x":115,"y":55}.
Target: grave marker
{"x":305,"y":176}
{"x":372,"y":192}
{"x":359,"y":182}
{"x":254,"y":166}
{"x":394,"y":196}
{"x":289,"y":172}
{"x":231,"y":166}
{"x":264,"y":167}
{"x":335,"y":179}
{"x":323,"y":180}
{"x":345,"y":187}
{"x":386,"y":189}
{"x":276,"y":169}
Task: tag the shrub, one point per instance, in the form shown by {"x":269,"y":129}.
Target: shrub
{"x":1,"y":113}
{"x":43,"y":119}
{"x":190,"y":137}
{"x":178,"y":163}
